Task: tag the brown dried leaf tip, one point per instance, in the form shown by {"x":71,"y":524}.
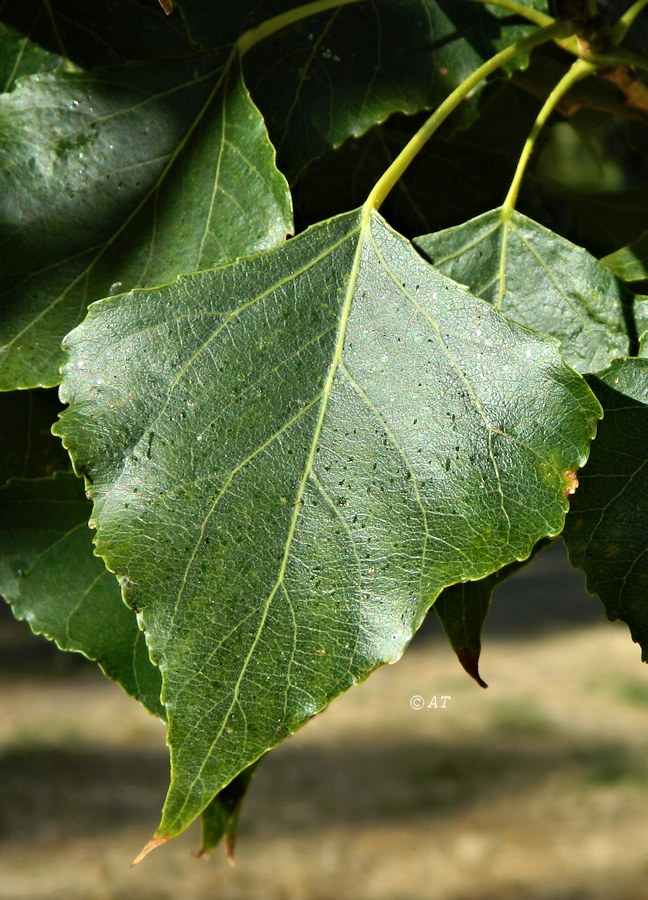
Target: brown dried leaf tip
{"x":167,"y":6}
{"x":469,"y":659}
{"x":154,"y":843}
{"x":572,"y":482}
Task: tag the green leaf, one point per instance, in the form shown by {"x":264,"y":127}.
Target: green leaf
{"x":52,"y":580}
{"x":540,"y":280}
{"x":96,"y":33}
{"x":20,"y":57}
{"x":343,"y":72}
{"x":220,"y":818}
{"x":140,"y":183}
{"x":605,"y":531}
{"x":630,"y":263}
{"x":641,"y":322}
{"x":290,"y":457}
{"x":27,"y":448}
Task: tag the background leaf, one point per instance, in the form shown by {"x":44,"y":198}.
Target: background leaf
{"x":462,"y":610}
{"x":290,"y":457}
{"x":19,"y":57}
{"x":220,"y":817}
{"x":27,"y":448}
{"x":630,"y":263}
{"x":136,"y":222}
{"x":95,"y":33}
{"x":51,"y":578}
{"x":520,"y":267}
{"x":334,"y":76}
{"x":605,"y":531}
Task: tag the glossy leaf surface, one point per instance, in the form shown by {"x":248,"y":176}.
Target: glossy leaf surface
{"x":290,"y":457}
{"x":540,"y":280}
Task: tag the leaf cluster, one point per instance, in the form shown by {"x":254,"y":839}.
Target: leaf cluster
{"x":334,"y":296}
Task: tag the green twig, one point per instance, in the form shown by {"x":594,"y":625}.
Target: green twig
{"x":407,"y":155}
{"x":578,"y":70}
{"x":69,"y":65}
{"x":525,"y":12}
{"x":626,"y":21}
{"x":254,"y":35}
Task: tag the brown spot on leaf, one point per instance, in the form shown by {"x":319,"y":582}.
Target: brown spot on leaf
{"x":572,"y":482}
{"x":469,"y":659}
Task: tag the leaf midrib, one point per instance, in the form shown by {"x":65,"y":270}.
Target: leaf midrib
{"x":345,"y":313}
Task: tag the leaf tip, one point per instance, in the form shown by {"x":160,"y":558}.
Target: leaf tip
{"x":230,"y":841}
{"x":469,"y":659}
{"x":155,"y":842}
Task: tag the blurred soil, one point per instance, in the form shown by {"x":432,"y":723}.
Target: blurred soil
{"x":535,"y":788}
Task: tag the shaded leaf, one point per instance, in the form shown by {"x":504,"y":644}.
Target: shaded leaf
{"x":521,"y":267}
{"x":19,"y":57}
{"x":641,"y":321}
{"x":135,"y":221}
{"x":290,"y":457}
{"x":51,"y":578}
{"x":96,"y":33}
{"x":601,"y":222}
{"x":462,"y":609}
{"x":605,"y":531}
{"x":27,"y":448}
{"x":336,"y":75}
{"x":630,"y":263}
{"x":219,"y":819}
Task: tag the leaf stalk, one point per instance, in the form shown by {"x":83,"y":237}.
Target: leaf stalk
{"x":408,"y":154}
{"x":260,"y":32}
{"x":578,"y":70}
{"x":627,"y":20}
{"x":525,"y":12}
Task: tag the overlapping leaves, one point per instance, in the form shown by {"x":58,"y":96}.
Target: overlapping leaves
{"x":123,"y":162}
{"x":51,"y":578}
{"x":290,"y":457}
{"x":540,"y":280}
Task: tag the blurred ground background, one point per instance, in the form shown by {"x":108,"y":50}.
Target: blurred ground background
{"x":535,"y":788}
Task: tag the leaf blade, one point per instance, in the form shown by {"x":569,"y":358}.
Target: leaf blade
{"x":519,"y":266}
{"x":50,"y":578}
{"x":315,"y":485}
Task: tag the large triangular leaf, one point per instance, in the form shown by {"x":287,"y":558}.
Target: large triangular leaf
{"x":290,"y":457}
{"x":540,"y":280}
{"x":606,"y":529}
{"x":51,"y":578}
